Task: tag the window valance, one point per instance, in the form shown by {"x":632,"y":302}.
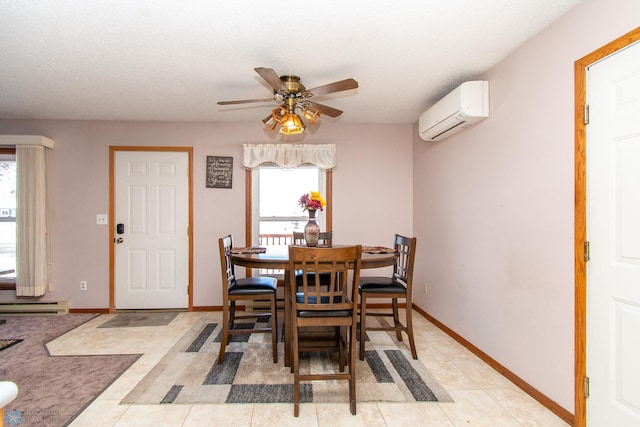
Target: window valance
{"x":18,"y":140}
{"x":289,"y":155}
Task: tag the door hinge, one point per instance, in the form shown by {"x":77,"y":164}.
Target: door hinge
{"x":587,"y":251}
{"x":585,"y":387}
{"x":585,"y":114}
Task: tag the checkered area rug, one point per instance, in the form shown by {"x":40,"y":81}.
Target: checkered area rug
{"x":189,"y":373}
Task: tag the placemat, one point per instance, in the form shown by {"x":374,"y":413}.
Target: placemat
{"x":377,"y":250}
{"x":248,"y":250}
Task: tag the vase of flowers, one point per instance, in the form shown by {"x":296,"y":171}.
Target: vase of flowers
{"x":312,"y":230}
{"x":312,"y":202}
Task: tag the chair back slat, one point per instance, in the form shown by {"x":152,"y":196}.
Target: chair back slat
{"x":403,"y":268}
{"x":228,"y":273}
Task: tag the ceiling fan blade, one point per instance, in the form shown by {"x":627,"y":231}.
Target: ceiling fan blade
{"x":324,"y":109}
{"x":345,"y":84}
{"x":271,"y":77}
{"x":245,"y":101}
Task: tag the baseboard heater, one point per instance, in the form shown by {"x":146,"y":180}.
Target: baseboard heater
{"x":35,"y":307}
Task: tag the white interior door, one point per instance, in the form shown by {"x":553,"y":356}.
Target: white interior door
{"x":613,"y":227}
{"x":151,"y":253}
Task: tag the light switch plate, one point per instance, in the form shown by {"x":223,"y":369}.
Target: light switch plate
{"x":102,"y":219}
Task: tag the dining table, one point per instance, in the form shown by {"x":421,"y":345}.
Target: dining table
{"x":277,"y":258}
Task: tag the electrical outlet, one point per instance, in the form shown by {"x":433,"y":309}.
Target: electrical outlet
{"x":102,"y":219}
{"x":425,"y":287}
{"x":83,"y":285}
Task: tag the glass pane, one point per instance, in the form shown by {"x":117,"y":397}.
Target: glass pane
{"x":280,"y":190}
{"x":7,"y":219}
{"x":281,"y":227}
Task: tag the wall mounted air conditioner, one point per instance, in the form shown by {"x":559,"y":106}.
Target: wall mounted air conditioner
{"x":463,"y":107}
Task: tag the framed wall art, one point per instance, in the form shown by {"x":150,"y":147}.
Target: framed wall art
{"x":219,"y":172}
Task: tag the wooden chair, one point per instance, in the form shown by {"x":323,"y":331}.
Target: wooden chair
{"x":250,"y":288}
{"x":317,"y":307}
{"x":325,"y":240}
{"x":398,"y":285}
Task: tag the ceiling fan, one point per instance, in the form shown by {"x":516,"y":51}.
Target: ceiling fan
{"x":294,"y":96}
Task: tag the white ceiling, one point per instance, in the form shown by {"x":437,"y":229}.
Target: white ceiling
{"x":172,"y":60}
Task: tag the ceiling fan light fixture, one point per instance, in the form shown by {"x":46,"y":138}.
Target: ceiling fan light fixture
{"x":276,"y":117}
{"x":270,"y":122}
{"x":289,"y":90}
{"x":292,"y":124}
{"x":279,"y":113}
{"x":311,"y":115}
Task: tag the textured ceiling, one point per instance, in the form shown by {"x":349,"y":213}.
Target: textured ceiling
{"x":173,"y":60}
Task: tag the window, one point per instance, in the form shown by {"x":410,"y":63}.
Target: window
{"x":30,"y":257}
{"x":7,"y":218}
{"x":276,"y":191}
{"x":290,"y":170}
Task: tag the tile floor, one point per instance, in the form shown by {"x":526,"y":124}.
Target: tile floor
{"x":482,"y":397}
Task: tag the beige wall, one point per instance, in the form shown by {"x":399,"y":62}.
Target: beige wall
{"x":374,"y":170}
{"x":494,"y":206}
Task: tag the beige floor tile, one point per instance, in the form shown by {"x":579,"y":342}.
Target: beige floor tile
{"x":525,"y":409}
{"x":131,"y":377}
{"x":281,"y":415}
{"x":482,"y":397}
{"x":410,"y":414}
{"x":101,"y":413}
{"x":154,"y":415}
{"x":449,"y":375}
{"x":332,"y":414}
{"x":89,"y":339}
{"x":482,"y":374}
{"x":427,"y":351}
{"x":219,"y":415}
{"x":451,"y":348}
{"x":476,"y":408}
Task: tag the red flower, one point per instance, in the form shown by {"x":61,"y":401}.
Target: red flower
{"x":312,"y":201}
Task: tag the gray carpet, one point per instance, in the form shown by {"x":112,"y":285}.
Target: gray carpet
{"x":53,"y":390}
{"x":189,"y":373}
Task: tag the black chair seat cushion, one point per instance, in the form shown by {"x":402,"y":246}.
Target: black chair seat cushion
{"x":324,"y":313}
{"x":321,"y":313}
{"x":254,"y":285}
{"x":381,"y":285}
{"x":325,"y":278}
{"x":312,"y":300}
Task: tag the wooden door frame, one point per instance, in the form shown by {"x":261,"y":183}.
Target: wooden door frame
{"x":580,"y":215}
{"x":112,"y":155}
